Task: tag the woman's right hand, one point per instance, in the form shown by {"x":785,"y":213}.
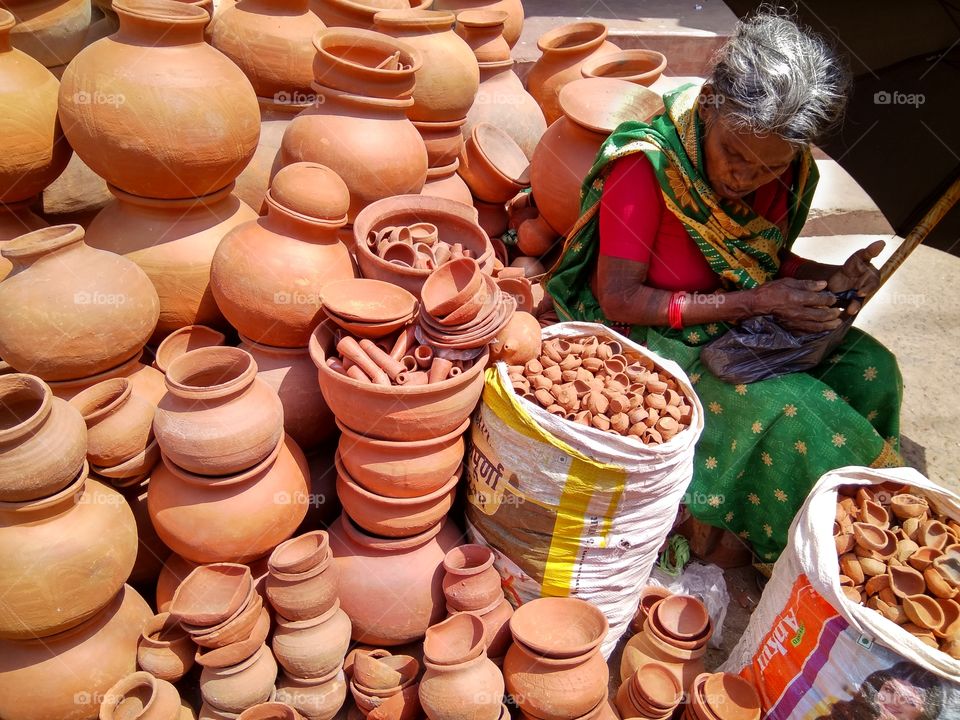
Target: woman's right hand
{"x":802,"y":306}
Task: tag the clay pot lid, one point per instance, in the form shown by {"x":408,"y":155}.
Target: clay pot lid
{"x":301,"y":553}
{"x":502,"y":152}
{"x":905,"y":581}
{"x":313,"y":190}
{"x":368,"y":301}
{"x":740,"y":699}
{"x":270,"y":711}
{"x":456,"y":640}
{"x":636,"y":66}
{"x":601,"y":104}
{"x":657,"y":685}
{"x":183,"y":340}
{"x":471,"y":559}
{"x":415,"y":18}
{"x":573,"y":38}
{"x":211,"y":593}
{"x":450,"y":285}
{"x":681,"y":616}
{"x":559,"y":627}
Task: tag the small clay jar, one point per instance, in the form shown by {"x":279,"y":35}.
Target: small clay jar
{"x":319,"y":699}
{"x":240,"y":686}
{"x":119,"y":423}
{"x":306,"y":595}
{"x":182,"y":341}
{"x":270,"y":711}
{"x":217,"y":418}
{"x":471,"y":582}
{"x":142,"y":696}
{"x":312,"y":648}
{"x":519,"y":340}
{"x":165,"y":650}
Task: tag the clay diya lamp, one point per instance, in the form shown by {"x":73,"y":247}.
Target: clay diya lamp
{"x":471,"y":582}
{"x":367,"y":301}
{"x":934,"y":534}
{"x":559,"y":627}
{"x":951,"y":618}
{"x":270,"y":711}
{"x":869,"y":537}
{"x":300,"y":554}
{"x":450,"y":286}
{"x":730,"y":697}
{"x":905,"y":506}
{"x":233,"y":629}
{"x":493,"y":165}
{"x":923,"y":557}
{"x":165,"y":649}
{"x":211,"y":594}
{"x":238,"y":651}
{"x":905,"y":581}
{"x":844,"y":541}
{"x":924,"y":612}
{"x":937,"y":584}
{"x":681,"y":617}
{"x":873,"y":513}
{"x":141,"y":695}
{"x":948,"y":564}
{"x":182,"y":341}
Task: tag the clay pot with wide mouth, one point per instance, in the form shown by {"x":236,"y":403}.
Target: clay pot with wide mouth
{"x":681,"y":617}
{"x":119,"y":423}
{"x":300,"y":554}
{"x":182,"y":341}
{"x":638,"y":66}
{"x":270,"y":711}
{"x":211,"y":594}
{"x":165,"y":649}
{"x":368,"y":301}
{"x":303,"y":595}
{"x":443,"y":141}
{"x":217,"y":418}
{"x":238,"y":651}
{"x":512,"y":10}
{"x":496,"y":620}
{"x":240,"y":686}
{"x":649,"y":596}
{"x":471,"y":582}
{"x":652,"y":691}
{"x":450,"y":286}
{"x":314,"y":647}
{"x":43,"y":439}
{"x":146,"y":380}
{"x":317,"y":699}
{"x":493,"y":165}
{"x":559,"y":627}
{"x":142,"y":696}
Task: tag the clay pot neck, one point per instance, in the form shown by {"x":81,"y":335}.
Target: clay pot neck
{"x":302,"y":227}
{"x":332,"y":99}
{"x":490,"y":70}
{"x":159,"y":23}
{"x":573,"y":40}
{"x":25,"y":404}
{"x":27,"y":249}
{"x":275,"y":7}
{"x":103,"y":399}
{"x":443,"y":171}
{"x":141,"y":685}
{"x":31,"y":511}
{"x":552,"y":662}
{"x":211,"y":373}
{"x":178,"y":205}
{"x":7,"y":21}
{"x":406,"y":23}
{"x":483,"y":30}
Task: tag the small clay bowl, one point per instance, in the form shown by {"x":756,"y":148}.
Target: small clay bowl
{"x":238,"y":651}
{"x":654,"y":629}
{"x":905,"y":581}
{"x":369,"y":331}
{"x":923,"y":557}
{"x":559,"y":627}
{"x":907,"y":506}
{"x":934,"y":534}
{"x":211,"y":594}
{"x":493,"y":165}
{"x":270,"y":711}
{"x":474,"y":310}
{"x":451,"y":286}
{"x":231,"y":631}
{"x":458,"y":639}
{"x":521,"y":290}
{"x":406,"y":667}
{"x":924,"y":612}
{"x":740,"y":700}
{"x":681,"y":617}
{"x":367,"y":301}
{"x":300,"y":554}
{"x":657,"y":686}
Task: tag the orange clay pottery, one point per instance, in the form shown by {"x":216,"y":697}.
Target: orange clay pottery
{"x":217,"y":418}
{"x":360,"y":13}
{"x":147,"y":382}
{"x":151,"y":551}
{"x":652,"y":691}
{"x":639,"y":66}
{"x":314,"y":647}
{"x":443,"y":182}
{"x":358,"y":127}
{"x":85,"y":660}
{"x":72,"y":311}
{"x":43,"y":440}
{"x":460,"y":681}
{"x":268,"y":274}
{"x":727,"y":696}
{"x":119,"y":423}
{"x":16,"y":219}
{"x":319,"y":699}
{"x":173,"y":242}
{"x":519,"y":341}
{"x":649,"y":596}
{"x":211,"y":594}
{"x":142,"y":696}
{"x":443,"y":141}
{"x":270,"y":711}
{"x":471,"y":582}
{"x":63,"y":557}
{"x":448,"y":78}
{"x":232,"y":518}
{"x":306,"y":594}
{"x":165,"y":649}
{"x":411,"y":567}
{"x":189,"y":135}
{"x":182,"y":341}
{"x":450,"y":286}
{"x":493,"y":165}
{"x":513,"y":9}
{"x":681,"y":617}
{"x":52,"y":32}
{"x":32,"y":149}
{"x":497,"y":624}
{"x":237,"y":687}
{"x":241,"y":649}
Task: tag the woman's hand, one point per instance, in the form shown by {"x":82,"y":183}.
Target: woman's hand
{"x":858,"y":274}
{"x":803,"y":306}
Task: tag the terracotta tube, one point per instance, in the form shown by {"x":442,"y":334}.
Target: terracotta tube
{"x":413,"y":378}
{"x":357,"y":374}
{"x":440,"y":369}
{"x":336,"y":366}
{"x":405,"y":340}
{"x":423,"y":356}
{"x":386,"y":363}
{"x":349,"y":349}
{"x":409,"y":363}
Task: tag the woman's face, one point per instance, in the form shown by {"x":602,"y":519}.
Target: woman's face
{"x":898,"y":700}
{"x":738,"y":163}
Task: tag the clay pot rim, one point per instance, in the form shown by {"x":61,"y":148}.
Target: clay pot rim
{"x":593,"y":65}
{"x":7,"y":21}
{"x":404,"y":444}
{"x":162,"y":11}
{"x":577,"y":107}
{"x":656,"y":644}
{"x":243,"y":367}
{"x":43,"y":241}
{"x":320,"y":223}
{"x":582,"y":26}
{"x":293,"y":577}
{"x":274,"y":711}
{"x":160,"y":623}
{"x":240,"y":666}
{"x":294,"y":625}
{"x":249,"y":612}
{"x":19,"y":382}
{"x":482,"y":18}
{"x":520,"y":181}
{"x":464,"y":551}
{"x":659,"y":668}
{"x":160,"y":356}
{"x":224,"y":480}
{"x":383,"y":500}
{"x":136,"y":468}
{"x":238,"y":600}
{"x":302,"y":562}
{"x":355,"y":37}
{"x":119,"y":690}
{"x":710,"y":683}
{"x":478,"y":641}
{"x":429,"y":125}
{"x":408,"y":671}
{"x":72,"y":490}
{"x":117,"y":391}
{"x":416,"y":18}
{"x":365,"y":100}
{"x":211,"y":198}
{"x":119,"y":369}
{"x":211,"y":657}
{"x":376,"y":542}
{"x":272,"y":349}
{"x":358,"y":286}
{"x":482,"y":611}
{"x":558,"y":663}
{"x":518,"y":627}
{"x":686,"y":601}
{"x":366,"y":12}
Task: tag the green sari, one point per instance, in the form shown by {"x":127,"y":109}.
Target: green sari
{"x":764,"y":444}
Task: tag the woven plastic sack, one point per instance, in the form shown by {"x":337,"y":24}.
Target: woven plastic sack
{"x":813,"y":654}
{"x":570,"y":510}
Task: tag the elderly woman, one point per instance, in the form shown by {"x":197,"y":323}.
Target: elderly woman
{"x":687,"y":226}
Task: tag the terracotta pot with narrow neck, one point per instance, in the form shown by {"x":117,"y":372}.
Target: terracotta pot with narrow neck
{"x":513,"y":23}
{"x":119,"y":423}
{"x":471,"y":582}
{"x":564,"y":50}
{"x":268,"y":274}
{"x":16,"y":219}
{"x":32,"y":149}
{"x":173,"y":242}
{"x":156,"y":111}
{"x":270,"y":40}
{"x":50,"y":31}
{"x":165,"y":649}
{"x":315,"y":647}
{"x":240,"y":686}
{"x":72,"y":311}
{"x":141,"y":693}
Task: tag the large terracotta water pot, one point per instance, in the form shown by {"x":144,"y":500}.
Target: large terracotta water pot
{"x":268,"y":274}
{"x":43,"y":440}
{"x":360,"y":13}
{"x":235,"y":518}
{"x":151,"y":552}
{"x":32,"y":149}
{"x":52,"y":32}
{"x":513,"y":8}
{"x":237,"y":687}
{"x":63,"y":557}
{"x":391,"y":589}
{"x":448,"y":77}
{"x":154,"y":110}
{"x":72,"y":311}
{"x":65,"y":676}
{"x":592,"y":107}
{"x":319,"y":699}
{"x":564,"y":50}
{"x":173,"y":242}
{"x":358,"y":126}
{"x":270,"y":40}
{"x":315,"y":647}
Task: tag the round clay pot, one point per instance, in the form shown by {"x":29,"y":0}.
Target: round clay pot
{"x":173,"y":242}
{"x":135,"y":139}
{"x":42,"y":444}
{"x":559,"y":627}
{"x":482,"y":30}
{"x":119,"y":423}
{"x":182,"y":341}
{"x":32,"y":147}
{"x":151,"y":551}
{"x":410,"y":567}
{"x":217,"y":418}
{"x":448,"y":78}
{"x":377,"y":151}
{"x":305,"y":595}
{"x":240,"y":686}
{"x":64,"y":676}
{"x":513,"y":23}
{"x":471,"y":582}
{"x":271,"y":42}
{"x":234,"y":518}
{"x":685,"y":665}
{"x":493,"y":165}
{"x":730,"y":697}
{"x":63,"y":557}
{"x":456,"y":640}
{"x":235,"y":629}
{"x":443,"y":141}
{"x":73,"y":311}
{"x":211,"y":594}
{"x":319,"y":699}
{"x":300,"y":554}
{"x":141,"y":693}
{"x":592,"y":109}
{"x":312,"y":648}
{"x":641,"y":67}
{"x":51,"y":32}
{"x":165,"y":650}
{"x":360,"y":13}
{"x":147,"y":382}
{"x":519,"y":340}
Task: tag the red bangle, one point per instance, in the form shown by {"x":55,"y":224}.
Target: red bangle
{"x":791,"y":265}
{"x":675,"y":311}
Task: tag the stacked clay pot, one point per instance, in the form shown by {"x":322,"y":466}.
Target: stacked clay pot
{"x":141,"y":695}
{"x":460,"y":680}
{"x":511,"y":9}
{"x":493,"y":165}
{"x":722,"y":696}
{"x":51,"y":32}
{"x":639,"y":66}
{"x":232,"y":484}
{"x":270,"y":711}
{"x":165,"y":650}
{"x":472,"y":585}
{"x":651,"y":693}
{"x":675,"y":634}
{"x":361,"y":13}
{"x":554,"y":669}
{"x":358,"y":127}
{"x":379,"y":680}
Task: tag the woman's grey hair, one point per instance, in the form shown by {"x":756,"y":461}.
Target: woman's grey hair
{"x":772,"y":77}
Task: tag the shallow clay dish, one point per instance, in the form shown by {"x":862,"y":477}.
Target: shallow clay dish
{"x":300,"y":554}
{"x":211,"y":594}
{"x":682,"y":617}
{"x":559,"y":627}
{"x":368,"y":301}
{"x":451,"y":286}
{"x":370,"y":331}
{"x":238,"y":651}
{"x":741,"y":700}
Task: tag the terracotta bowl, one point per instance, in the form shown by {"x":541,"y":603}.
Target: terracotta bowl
{"x":730,"y":697}
{"x":136,"y":467}
{"x":450,"y":286}
{"x":211,"y":594}
{"x":559,"y":627}
{"x":238,"y":651}
{"x":301,"y":553}
{"x":474,"y":315}
{"x":370,"y":331}
{"x":456,"y":640}
{"x":642,"y":67}
{"x":406,"y":667}
{"x":233,"y":630}
{"x":372,"y":673}
{"x":182,"y":341}
{"x":681,"y":616}
{"x":367,"y":301}
{"x":652,"y":627}
{"x":657,"y":686}
{"x":493,"y":165}
{"x":479,"y":337}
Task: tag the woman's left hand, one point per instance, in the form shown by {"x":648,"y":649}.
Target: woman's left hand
{"x":858,"y":274}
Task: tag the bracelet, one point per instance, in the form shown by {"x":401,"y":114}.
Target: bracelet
{"x":675,"y":310}
{"x":791,"y":265}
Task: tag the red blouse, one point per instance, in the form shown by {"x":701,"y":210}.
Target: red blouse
{"x":635,"y":224}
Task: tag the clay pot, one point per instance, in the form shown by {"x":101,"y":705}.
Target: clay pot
{"x":482,"y":30}
{"x":471,"y":582}
{"x":119,"y":423}
{"x":165,"y":650}
{"x":519,"y":340}
{"x":86,"y":661}
{"x":271,"y":711}
{"x":452,"y":285}
{"x":51,"y":32}
{"x":638,"y":66}
{"x":444,"y":182}
{"x":146,"y":381}
{"x":497,"y":624}
{"x":142,"y":696}
{"x":198,"y":89}
{"x":643,"y":648}
{"x":725,"y":695}
{"x":211,"y":594}
{"x":360,"y":13}
{"x":182,"y":341}
{"x":240,"y":686}
{"x":217,"y":418}
{"x":377,"y":674}
{"x":448,"y":78}
{"x":73,"y":311}
{"x":319,"y":699}
{"x":443,"y":141}
{"x":681,"y":617}
{"x":377,"y":151}
{"x":173,"y":242}
{"x":513,"y":23}
{"x":268,"y":274}
{"x":238,"y":651}
{"x":592,"y":109}
{"x":275,"y":116}
{"x":63,"y":557}
{"x":460,"y":680}
{"x":300,"y":554}
{"x":43,"y":440}
{"x":312,"y":648}
{"x":17,"y":219}
{"x":32,"y":148}
{"x":234,"y":518}
{"x":271,"y":42}
{"x":559,"y":627}
{"x":650,"y":692}
{"x":493,"y":165}
{"x":409,"y":566}
{"x":305,"y":595}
